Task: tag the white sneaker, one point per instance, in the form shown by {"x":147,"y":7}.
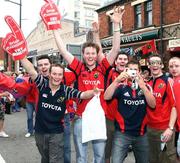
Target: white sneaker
{"x":28,"y":135}
{"x":3,"y":134}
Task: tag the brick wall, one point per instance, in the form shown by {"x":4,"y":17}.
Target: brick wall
{"x":171,"y":14}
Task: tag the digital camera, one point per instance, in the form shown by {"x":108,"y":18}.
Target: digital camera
{"x":131,"y":73}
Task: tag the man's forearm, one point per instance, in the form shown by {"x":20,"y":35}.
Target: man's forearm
{"x":29,"y":68}
{"x":110,"y":90}
{"x":62,"y":49}
{"x":96,"y":40}
{"x":173,"y":117}
{"x":151,"y":101}
{"x":116,"y":44}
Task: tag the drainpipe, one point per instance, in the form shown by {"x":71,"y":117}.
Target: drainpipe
{"x":161,"y":29}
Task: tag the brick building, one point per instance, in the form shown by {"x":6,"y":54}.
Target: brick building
{"x":143,"y":21}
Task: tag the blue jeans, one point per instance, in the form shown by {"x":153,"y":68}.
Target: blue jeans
{"x":121,"y":143}
{"x":67,"y":139}
{"x":81,"y":148}
{"x":16,"y":106}
{"x":30,"y":108}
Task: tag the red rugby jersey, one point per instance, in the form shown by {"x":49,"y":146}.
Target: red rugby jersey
{"x":88,"y":79}
{"x":176,"y":89}
{"x":112,"y":105}
{"x":159,"y":117}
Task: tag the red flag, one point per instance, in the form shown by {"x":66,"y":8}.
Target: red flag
{"x":149,"y":47}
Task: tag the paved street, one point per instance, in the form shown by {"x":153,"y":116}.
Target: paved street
{"x":18,"y":149}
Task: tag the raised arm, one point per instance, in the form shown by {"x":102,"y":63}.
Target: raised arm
{"x":62,"y":48}
{"x":111,"y":89}
{"x":96,"y":39}
{"x":29,"y":68}
{"x":116,"y":18}
{"x":150,"y":99}
{"x":51,"y":18}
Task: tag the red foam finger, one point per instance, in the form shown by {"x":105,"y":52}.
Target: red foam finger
{"x":50,"y":2}
{"x":14,"y":27}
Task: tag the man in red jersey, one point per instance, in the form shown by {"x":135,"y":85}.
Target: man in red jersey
{"x":161,"y":120}
{"x":174,"y":69}
{"x":89,"y":75}
{"x":119,"y":66}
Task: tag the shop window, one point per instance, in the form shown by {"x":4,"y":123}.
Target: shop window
{"x":138,"y":16}
{"x":89,"y":12}
{"x":88,"y":23}
{"x":77,"y":14}
{"x":148,"y":13}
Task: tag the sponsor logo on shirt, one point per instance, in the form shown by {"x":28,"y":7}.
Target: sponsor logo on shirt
{"x":50,"y":106}
{"x":96,"y":75}
{"x":156,"y":94}
{"x":45,"y":95}
{"x":161,"y":85}
{"x":134,"y":102}
{"x":127,"y":94}
{"x":140,"y":93}
{"x":91,"y":82}
{"x":60,"y":99}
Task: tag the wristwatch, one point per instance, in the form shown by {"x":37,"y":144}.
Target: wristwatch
{"x":171,"y":128}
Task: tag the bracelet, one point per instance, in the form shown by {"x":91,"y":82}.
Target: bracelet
{"x":171,"y":128}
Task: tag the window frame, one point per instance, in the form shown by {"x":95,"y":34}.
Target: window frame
{"x":147,"y":11}
{"x":137,"y":14}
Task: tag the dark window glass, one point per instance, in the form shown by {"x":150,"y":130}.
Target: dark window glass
{"x":148,"y":13}
{"x":138,"y":16}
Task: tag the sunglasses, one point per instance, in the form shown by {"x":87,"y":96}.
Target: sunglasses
{"x":152,"y":63}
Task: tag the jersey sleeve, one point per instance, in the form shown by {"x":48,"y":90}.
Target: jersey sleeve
{"x":6,"y":82}
{"x":104,"y":65}
{"x":71,"y":92}
{"x":40,"y":82}
{"x":69,"y":78}
{"x":10,"y":85}
{"x":75,"y":66}
{"x":170,"y":93}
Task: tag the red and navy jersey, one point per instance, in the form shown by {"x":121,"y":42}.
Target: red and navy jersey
{"x":88,"y":79}
{"x":110,"y":76}
{"x":130,"y":117}
{"x":51,"y":108}
{"x":159,"y":117}
{"x":176,"y":89}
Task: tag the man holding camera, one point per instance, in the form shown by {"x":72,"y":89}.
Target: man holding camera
{"x":130,"y":117}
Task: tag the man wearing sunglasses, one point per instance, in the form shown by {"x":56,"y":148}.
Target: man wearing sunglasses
{"x":161,"y":120}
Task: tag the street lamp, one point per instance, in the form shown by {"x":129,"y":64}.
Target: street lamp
{"x":20,"y":9}
{"x":20,"y":13}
